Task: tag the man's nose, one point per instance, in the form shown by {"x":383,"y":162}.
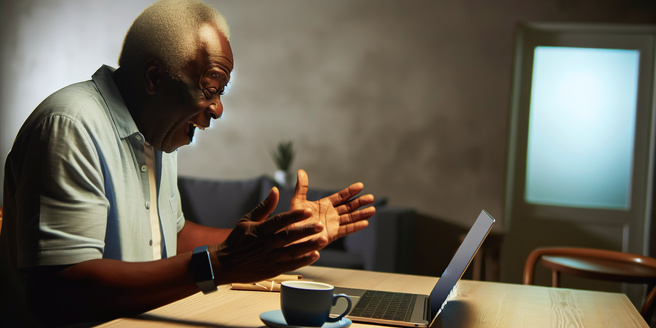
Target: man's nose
{"x":216,"y":109}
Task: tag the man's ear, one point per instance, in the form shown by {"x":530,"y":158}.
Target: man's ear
{"x":153,"y":75}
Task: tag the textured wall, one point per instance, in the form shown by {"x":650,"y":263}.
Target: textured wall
{"x":410,"y":98}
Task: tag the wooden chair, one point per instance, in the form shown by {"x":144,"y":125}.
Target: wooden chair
{"x":596,"y":264}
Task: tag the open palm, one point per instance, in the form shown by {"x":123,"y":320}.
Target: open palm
{"x":340,"y":215}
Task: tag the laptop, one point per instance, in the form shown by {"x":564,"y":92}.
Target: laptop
{"x":415,"y":310}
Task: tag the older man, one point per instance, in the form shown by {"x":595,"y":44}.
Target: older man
{"x":92,"y":218}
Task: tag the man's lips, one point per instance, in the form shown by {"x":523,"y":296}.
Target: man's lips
{"x":198,"y":126}
{"x":190,"y":129}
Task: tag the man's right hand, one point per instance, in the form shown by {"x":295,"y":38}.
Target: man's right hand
{"x":259,"y":248}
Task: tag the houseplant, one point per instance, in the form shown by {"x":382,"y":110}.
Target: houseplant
{"x":283,"y":156}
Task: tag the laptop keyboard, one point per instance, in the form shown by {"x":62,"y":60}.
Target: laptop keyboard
{"x":385,"y":305}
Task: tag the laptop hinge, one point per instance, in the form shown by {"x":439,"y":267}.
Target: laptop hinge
{"x":427,"y":309}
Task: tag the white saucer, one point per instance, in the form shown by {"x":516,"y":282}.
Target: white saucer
{"x":274,"y":319}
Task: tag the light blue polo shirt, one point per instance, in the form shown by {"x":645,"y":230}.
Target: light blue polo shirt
{"x":76,"y":182}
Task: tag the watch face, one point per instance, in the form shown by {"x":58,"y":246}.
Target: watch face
{"x":200,"y":265}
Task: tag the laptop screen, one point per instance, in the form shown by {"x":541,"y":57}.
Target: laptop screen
{"x":460,"y":262}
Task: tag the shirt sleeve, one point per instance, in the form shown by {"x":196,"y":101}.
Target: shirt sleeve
{"x":72,"y":206}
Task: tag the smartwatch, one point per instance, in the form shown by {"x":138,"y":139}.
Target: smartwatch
{"x":201,"y":267}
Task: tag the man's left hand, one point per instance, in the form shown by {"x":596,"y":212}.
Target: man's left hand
{"x":340,"y":215}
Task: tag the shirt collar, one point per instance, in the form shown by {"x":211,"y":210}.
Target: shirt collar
{"x":125,"y":125}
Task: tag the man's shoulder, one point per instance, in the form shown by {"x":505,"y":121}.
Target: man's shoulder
{"x":74,"y":100}
{"x":80,"y":102}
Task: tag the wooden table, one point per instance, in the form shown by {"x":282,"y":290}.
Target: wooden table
{"x":477,"y":304}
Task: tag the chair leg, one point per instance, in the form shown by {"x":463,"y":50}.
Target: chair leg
{"x":648,"y":307}
{"x":555,"y":278}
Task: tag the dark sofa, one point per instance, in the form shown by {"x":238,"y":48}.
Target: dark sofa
{"x":386,"y":245}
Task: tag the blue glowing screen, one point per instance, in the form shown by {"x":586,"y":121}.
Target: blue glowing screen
{"x":582,"y":127}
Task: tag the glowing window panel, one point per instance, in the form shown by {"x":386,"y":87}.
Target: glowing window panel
{"x":582,"y":127}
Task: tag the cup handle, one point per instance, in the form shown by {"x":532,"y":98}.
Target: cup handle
{"x":348,"y":308}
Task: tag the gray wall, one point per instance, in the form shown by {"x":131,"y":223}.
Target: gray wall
{"x":410,"y":98}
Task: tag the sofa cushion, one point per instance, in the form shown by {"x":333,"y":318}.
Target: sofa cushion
{"x":218,"y":203}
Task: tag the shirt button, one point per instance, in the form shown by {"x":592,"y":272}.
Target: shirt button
{"x":138,"y":137}
{"x":147,"y":205}
{"x":150,"y":242}
{"x":144,"y":168}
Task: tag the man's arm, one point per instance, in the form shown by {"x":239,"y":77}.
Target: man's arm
{"x":193,"y":235}
{"x":104,"y":289}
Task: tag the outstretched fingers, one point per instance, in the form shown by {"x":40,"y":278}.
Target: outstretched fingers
{"x":264,"y":208}
{"x":355,"y":204}
{"x":344,"y":195}
{"x":291,"y":235}
{"x":356,"y":216}
{"x":282,"y":220}
{"x":350,"y":228}
{"x":299,"y":255}
{"x":299,"y":250}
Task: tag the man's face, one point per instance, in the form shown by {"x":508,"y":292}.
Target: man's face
{"x":192,"y":101}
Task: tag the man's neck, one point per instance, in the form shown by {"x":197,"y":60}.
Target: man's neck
{"x":127,"y":84}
